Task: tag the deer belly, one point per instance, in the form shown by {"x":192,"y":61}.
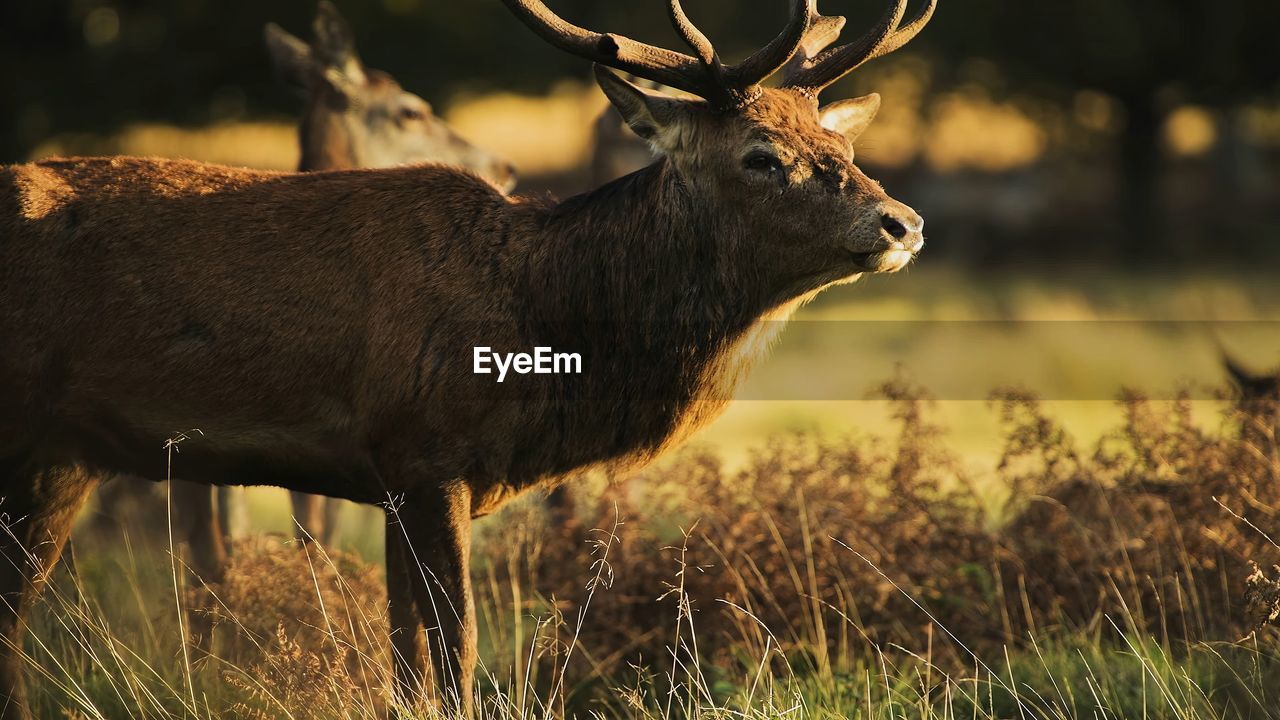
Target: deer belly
{"x":205,"y":440}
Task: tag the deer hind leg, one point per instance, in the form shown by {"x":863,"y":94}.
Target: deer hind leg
{"x":436,"y":531}
{"x":408,"y":653}
{"x":233,"y":512}
{"x":38,"y":509}
{"x":560,"y":510}
{"x":200,"y":526}
{"x":197,"y":523}
{"x":308,"y":516}
{"x":332,"y":514}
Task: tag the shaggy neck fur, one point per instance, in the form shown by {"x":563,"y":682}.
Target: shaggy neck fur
{"x":661,"y":297}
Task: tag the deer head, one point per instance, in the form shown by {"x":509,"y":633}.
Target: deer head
{"x":360,"y":117}
{"x":1257,"y":400}
{"x":771,"y":161}
{"x":1250,"y":385}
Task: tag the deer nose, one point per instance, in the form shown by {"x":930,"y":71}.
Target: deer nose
{"x":903,"y":225}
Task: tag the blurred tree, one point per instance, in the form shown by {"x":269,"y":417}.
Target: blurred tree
{"x":1149,"y":55}
{"x":93,"y":65}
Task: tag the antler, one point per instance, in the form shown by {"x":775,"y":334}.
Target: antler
{"x":704,"y":75}
{"x":779,"y":51}
{"x":823,"y":30}
{"x":815,"y":73}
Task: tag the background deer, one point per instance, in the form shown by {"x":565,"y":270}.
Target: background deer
{"x":320,"y":327}
{"x":1258,"y":404}
{"x":354,"y":117}
{"x":358,"y":117}
{"x":615,"y":150}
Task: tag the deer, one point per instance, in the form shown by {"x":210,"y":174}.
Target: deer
{"x":1257,"y":404}
{"x":354,"y":117}
{"x":358,"y":117}
{"x":324,"y":330}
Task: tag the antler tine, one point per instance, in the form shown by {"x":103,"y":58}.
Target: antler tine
{"x":823,"y":31}
{"x":832,"y":64}
{"x":703,"y":75}
{"x":904,"y":34}
{"x":767,"y":60}
{"x":819,"y":72}
{"x":703,"y":49}
{"x":691,"y":35}
{"x":670,"y":68}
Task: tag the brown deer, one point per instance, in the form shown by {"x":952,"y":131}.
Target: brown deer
{"x":354,"y":117}
{"x":615,"y":150}
{"x":326,"y":331}
{"x":358,"y":117}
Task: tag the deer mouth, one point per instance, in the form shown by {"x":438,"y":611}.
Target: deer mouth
{"x":888,"y":259}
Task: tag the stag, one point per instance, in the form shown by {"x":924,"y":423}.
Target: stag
{"x":319,"y":328}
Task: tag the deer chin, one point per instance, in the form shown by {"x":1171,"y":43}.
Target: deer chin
{"x":884,"y":261}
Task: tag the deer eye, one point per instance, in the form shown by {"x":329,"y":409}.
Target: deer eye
{"x":411,"y":113}
{"x":762,"y":162}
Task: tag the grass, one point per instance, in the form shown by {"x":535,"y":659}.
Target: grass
{"x":1111,"y":673}
{"x":1077,"y":549}
{"x":1076,"y":339}
{"x":856,"y":577}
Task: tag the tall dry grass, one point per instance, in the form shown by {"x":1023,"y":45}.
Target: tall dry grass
{"x":836,"y":545}
{"x":869,"y":576}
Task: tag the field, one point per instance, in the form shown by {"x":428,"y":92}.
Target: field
{"x":920,"y":547}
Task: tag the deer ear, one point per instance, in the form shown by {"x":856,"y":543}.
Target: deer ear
{"x":1239,"y":376}
{"x":850,"y":117}
{"x":335,"y":48}
{"x":290,"y":57}
{"x":653,"y":117}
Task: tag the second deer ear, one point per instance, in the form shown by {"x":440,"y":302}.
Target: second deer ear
{"x":290,"y":57}
{"x":1241,"y":377}
{"x":850,"y":117}
{"x":334,"y":48}
{"x":655,"y":118}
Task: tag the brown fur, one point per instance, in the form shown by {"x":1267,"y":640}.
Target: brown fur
{"x":351,"y":120}
{"x":365,"y":119}
{"x":319,"y":328}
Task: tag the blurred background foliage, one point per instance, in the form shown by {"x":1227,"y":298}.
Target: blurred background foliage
{"x":1144,"y":132}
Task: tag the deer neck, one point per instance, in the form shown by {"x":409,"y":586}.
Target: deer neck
{"x":658,"y":295}
{"x":643,"y":248}
{"x":325,"y":141}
